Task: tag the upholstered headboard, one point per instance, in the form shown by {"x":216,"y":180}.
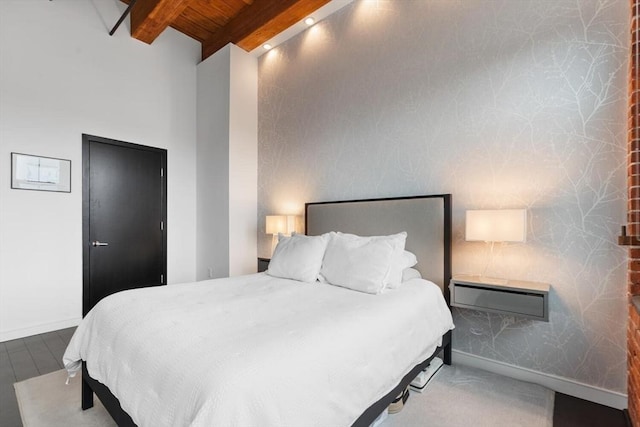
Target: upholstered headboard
{"x":426,"y":219}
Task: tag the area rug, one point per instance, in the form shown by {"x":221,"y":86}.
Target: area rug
{"x":47,"y":401}
{"x":456,"y":396}
{"x":459,"y":396}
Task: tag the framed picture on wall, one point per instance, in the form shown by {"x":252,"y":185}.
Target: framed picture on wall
{"x":40,"y":173}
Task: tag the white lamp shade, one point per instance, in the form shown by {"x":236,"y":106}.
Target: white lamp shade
{"x":502,"y":225}
{"x":285,"y":224}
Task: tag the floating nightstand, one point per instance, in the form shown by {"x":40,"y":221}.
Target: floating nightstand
{"x":514,"y":297}
{"x":263,"y":264}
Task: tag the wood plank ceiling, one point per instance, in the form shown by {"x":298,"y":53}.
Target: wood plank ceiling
{"x":215,"y":23}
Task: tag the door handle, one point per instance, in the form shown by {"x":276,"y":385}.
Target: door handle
{"x":98,"y":243}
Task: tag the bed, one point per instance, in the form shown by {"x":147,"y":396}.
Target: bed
{"x":305,"y":369}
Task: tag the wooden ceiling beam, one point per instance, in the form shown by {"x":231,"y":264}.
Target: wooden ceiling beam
{"x":149,"y":18}
{"x":259,"y":22}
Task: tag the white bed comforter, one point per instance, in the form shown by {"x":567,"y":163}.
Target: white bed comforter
{"x":256,"y":350}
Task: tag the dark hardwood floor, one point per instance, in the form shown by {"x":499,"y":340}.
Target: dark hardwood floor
{"x":40,"y":354}
{"x":570,"y":411}
{"x":26,"y":358}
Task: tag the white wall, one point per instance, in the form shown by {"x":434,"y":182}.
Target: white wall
{"x":227,"y":154}
{"x":61,"y":75}
{"x":212,"y":237}
{"x":243,"y":163}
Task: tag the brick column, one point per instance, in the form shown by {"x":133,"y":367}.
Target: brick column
{"x":633,"y":215}
{"x":633,"y":155}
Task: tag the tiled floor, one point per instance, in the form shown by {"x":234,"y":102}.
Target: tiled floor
{"x":40,"y":354}
{"x":26,"y":358}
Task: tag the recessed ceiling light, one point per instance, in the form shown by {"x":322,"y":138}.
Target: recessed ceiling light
{"x":267,"y":46}
{"x":309,"y":21}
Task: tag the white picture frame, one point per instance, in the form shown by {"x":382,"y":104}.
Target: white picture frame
{"x":40,"y":173}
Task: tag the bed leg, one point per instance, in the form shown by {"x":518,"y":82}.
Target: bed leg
{"x":447,"y":349}
{"x":447,"y":354}
{"x":87,"y":393}
{"x":87,"y":396}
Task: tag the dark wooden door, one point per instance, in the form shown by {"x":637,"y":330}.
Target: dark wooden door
{"x":124,"y":217}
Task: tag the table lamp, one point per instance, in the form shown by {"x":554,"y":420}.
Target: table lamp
{"x":285,"y":224}
{"x":497,"y":225}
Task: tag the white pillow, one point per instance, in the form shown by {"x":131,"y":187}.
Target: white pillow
{"x":298,"y":257}
{"x":410,"y":273}
{"x":363,"y":264}
{"x":405,"y":260}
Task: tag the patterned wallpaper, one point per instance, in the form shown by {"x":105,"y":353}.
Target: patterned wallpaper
{"x":502,"y":103}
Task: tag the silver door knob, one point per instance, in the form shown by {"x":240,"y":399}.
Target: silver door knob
{"x":97,"y":243}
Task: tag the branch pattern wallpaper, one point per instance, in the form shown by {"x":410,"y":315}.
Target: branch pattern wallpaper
{"x":504,"y":104}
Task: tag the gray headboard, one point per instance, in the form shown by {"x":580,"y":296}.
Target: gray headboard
{"x":426,"y":219}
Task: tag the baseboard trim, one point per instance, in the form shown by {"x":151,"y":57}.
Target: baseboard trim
{"x":556,"y":383}
{"x":38,"y":329}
